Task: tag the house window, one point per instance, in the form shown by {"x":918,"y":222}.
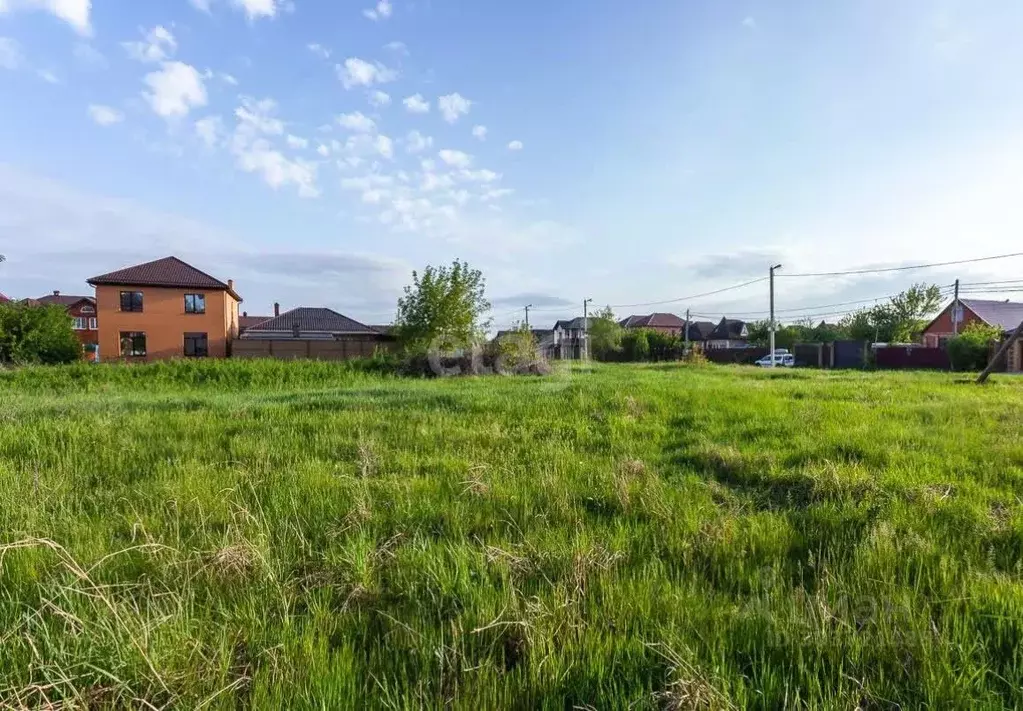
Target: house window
{"x":133,"y":344}
{"x":88,"y":310}
{"x":131,"y":301}
{"x":196,"y":345}
{"x":943,"y":341}
{"x":93,"y":324}
{"x":80,"y":323}
{"x":195,"y":303}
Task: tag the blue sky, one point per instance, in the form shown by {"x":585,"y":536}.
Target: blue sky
{"x":318,"y":151}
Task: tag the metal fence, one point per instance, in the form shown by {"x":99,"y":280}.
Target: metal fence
{"x":915,"y":357}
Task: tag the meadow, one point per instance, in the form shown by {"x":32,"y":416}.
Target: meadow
{"x":225,"y":535}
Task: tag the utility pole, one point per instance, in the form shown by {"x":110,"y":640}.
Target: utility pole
{"x":776,"y":266}
{"x":686,"y":351}
{"x":586,"y":329}
{"x":527,"y":316}
{"x":955,"y":312}
{"x":1001,"y":351}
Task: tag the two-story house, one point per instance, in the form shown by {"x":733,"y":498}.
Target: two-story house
{"x":729,"y":333}
{"x":164,"y":309}
{"x":82,"y":310}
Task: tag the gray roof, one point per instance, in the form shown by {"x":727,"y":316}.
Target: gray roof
{"x":571,"y":324}
{"x":311,"y":319}
{"x":728,"y":329}
{"x":700,"y":330}
{"x":1006,"y":315}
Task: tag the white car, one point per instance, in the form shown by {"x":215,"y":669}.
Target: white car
{"x":783,"y":360}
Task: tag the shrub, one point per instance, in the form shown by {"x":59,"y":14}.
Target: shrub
{"x":37,"y":334}
{"x":969,"y":350}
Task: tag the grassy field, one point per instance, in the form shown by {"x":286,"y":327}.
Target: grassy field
{"x":273,"y":535}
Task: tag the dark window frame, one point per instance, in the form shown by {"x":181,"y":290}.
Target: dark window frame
{"x":198,"y":303}
{"x":198,"y":343}
{"x":133,"y":338}
{"x":134,"y":301}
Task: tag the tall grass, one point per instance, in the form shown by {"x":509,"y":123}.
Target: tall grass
{"x":305,"y":535}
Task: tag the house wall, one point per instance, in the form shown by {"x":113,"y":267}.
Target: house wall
{"x":164,"y":321}
{"x":942,"y":326}
{"x":89,"y":336}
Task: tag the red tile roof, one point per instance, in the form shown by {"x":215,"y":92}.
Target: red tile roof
{"x":169,"y":272}
{"x":3,"y":298}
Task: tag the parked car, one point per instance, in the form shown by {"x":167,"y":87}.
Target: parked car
{"x":784,"y":360}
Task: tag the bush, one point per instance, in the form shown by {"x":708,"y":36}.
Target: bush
{"x":970,"y":349}
{"x":37,"y":334}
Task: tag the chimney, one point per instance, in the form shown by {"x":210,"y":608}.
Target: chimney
{"x":245,"y":314}
{"x":56,"y":292}
{"x":277,"y":309}
{"x":230,"y":284}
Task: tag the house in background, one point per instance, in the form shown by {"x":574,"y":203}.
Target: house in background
{"x":3,"y":299}
{"x":1004,"y":315}
{"x":663,"y":322}
{"x":82,"y":310}
{"x":317,"y":333}
{"x":729,"y":333}
{"x":699,"y":332}
{"x":164,"y":309}
{"x":568,"y":339}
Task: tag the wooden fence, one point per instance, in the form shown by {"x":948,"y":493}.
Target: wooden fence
{"x":293,"y":349}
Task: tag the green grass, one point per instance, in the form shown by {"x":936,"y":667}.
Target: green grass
{"x":303,"y":535}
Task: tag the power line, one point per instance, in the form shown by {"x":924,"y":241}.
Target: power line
{"x":905,"y":268}
{"x":944,"y":292}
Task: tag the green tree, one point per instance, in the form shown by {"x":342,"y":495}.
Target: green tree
{"x":900,"y":320}
{"x":605,"y":334}
{"x":446,"y":303}
{"x":636,"y":345}
{"x":37,"y":334}
{"x":759,"y":333}
{"x":971,"y":348}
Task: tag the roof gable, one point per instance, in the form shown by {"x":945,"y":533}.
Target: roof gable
{"x":167,"y":272}
{"x":321,"y":320}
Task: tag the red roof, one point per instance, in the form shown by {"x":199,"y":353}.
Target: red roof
{"x":658,"y":320}
{"x":64,"y":299}
{"x":169,"y":272}
{"x":3,"y":298}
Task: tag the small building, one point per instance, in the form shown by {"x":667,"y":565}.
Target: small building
{"x":315,"y":333}
{"x":662,"y":322}
{"x":82,"y":310}
{"x":164,"y":309}
{"x":729,"y":333}
{"x":1004,"y":315}
{"x":699,"y":332}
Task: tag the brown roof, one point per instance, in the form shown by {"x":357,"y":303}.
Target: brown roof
{"x":250,"y":321}
{"x":657,"y":320}
{"x":311,"y":319}
{"x":3,"y":298}
{"x":64,"y":299}
{"x":169,"y":271}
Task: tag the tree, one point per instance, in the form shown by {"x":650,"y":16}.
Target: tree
{"x":636,"y":345}
{"x":605,"y":334}
{"x":971,"y":348}
{"x":37,"y":334}
{"x":901,"y":320}
{"x":758,"y":333}
{"x":446,"y":303}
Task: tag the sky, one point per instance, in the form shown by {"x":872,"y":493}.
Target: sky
{"x":317,"y":151}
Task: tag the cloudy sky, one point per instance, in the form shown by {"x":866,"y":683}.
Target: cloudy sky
{"x":316,"y":151}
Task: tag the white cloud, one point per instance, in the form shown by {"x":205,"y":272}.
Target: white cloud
{"x":384,"y":146}
{"x":457,"y":159}
{"x":276,"y":170}
{"x":259,"y":115}
{"x":515,"y":146}
{"x":366,"y":182}
{"x":398,"y":47}
{"x":319,"y":50}
{"x":254,"y":9}
{"x":323,"y":150}
{"x":428,"y":164}
{"x":479,"y":132}
{"x":175,"y":89}
{"x":157,"y":45}
{"x":382,"y":11}
{"x":48,"y":76}
{"x":228,"y":79}
{"x":480,"y":176}
{"x":358,"y":72}
{"x":433,"y":181}
{"x":74,"y":12}
{"x":89,"y":57}
{"x":297,"y":142}
{"x":357,"y":121}
{"x":374,"y":196}
{"x":415,"y":142}
{"x":209,"y":130}
{"x":203,"y":5}
{"x":453,"y":105}
{"x":10,"y":53}
{"x":749,"y":22}
{"x":496,"y":193}
{"x":105,"y":115}
{"x":416,"y":104}
{"x":379,"y":98}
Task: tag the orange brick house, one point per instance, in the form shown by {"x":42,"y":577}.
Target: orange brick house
{"x":164,"y":309}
